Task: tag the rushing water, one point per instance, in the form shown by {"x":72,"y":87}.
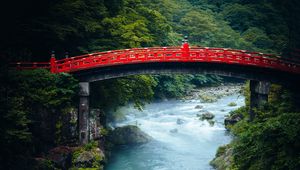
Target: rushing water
{"x":190,"y":148}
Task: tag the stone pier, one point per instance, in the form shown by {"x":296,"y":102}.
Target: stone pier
{"x":83,"y":112}
{"x":259,"y":91}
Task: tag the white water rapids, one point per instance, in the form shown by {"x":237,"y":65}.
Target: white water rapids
{"x":191,"y":147}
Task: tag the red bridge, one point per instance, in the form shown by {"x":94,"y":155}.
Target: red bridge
{"x":183,"y":54}
{"x":259,"y":68}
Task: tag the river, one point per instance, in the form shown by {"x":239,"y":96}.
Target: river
{"x":191,"y":147}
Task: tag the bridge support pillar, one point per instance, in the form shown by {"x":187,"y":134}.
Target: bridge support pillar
{"x":83,"y":112}
{"x":259,"y":91}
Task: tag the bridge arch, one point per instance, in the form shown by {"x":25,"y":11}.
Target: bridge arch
{"x":236,"y":71}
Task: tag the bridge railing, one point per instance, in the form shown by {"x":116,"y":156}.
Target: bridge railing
{"x":30,"y":65}
{"x":199,"y":54}
{"x":167,"y":54}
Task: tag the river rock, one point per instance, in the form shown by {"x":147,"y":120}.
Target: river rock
{"x":202,"y":111}
{"x":211,"y":122}
{"x":232,"y":104}
{"x":128,"y":135}
{"x":206,"y":116}
{"x":233,"y":119}
{"x":180,"y":121}
{"x":174,"y":130}
{"x":208,"y":99}
{"x":198,"y":107}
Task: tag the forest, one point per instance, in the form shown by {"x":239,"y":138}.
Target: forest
{"x":32,"y":29}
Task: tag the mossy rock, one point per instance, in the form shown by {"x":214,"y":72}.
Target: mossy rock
{"x":208,"y":99}
{"x":128,"y":135}
{"x":88,"y":157}
{"x":206,"y":116}
{"x":232,"y":104}
{"x":211,"y":122}
{"x":223,"y":158}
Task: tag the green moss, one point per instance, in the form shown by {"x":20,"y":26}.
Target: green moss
{"x":104,"y":132}
{"x":90,"y":146}
{"x":90,"y":156}
{"x":223,"y":159}
{"x":221,"y":150}
{"x":232,"y":104}
{"x":76,"y":154}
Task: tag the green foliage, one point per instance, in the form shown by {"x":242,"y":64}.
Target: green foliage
{"x":136,"y":89}
{"x":172,"y":86}
{"x":276,"y":141}
{"x":221,"y":150}
{"x":31,"y":105}
{"x":90,"y":146}
{"x":104,"y":132}
{"x":201,"y":80}
{"x":246,"y":93}
{"x":199,"y":25}
{"x":271,"y":141}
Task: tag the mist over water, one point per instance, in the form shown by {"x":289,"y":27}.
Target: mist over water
{"x":192,"y":147}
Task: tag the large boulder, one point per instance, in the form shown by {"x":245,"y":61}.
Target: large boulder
{"x":206,"y":116}
{"x":233,"y":119}
{"x":129,"y":135}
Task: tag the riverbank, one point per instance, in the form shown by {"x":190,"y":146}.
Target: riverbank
{"x":270,"y":141}
{"x":212,"y":94}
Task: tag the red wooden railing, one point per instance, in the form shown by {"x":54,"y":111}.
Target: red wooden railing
{"x":166,"y":54}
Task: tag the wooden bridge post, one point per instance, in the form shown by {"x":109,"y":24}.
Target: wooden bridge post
{"x":53,"y":63}
{"x":83,"y":112}
{"x":259,"y":91}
